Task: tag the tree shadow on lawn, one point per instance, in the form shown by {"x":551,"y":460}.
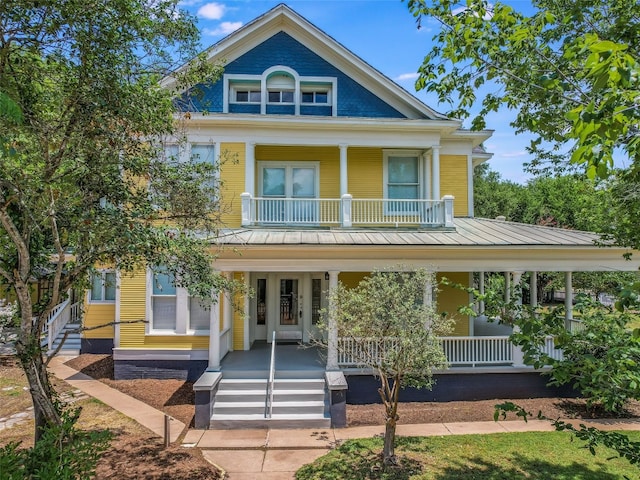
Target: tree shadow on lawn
{"x":362,"y":460}
{"x":478,"y":469}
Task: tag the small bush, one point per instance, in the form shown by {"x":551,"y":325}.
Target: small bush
{"x":62,"y":453}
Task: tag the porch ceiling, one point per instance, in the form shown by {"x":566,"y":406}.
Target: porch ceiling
{"x":475,"y":244}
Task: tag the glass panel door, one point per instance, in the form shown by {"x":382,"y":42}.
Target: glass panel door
{"x":289,"y":314}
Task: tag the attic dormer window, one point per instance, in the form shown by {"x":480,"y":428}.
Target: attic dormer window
{"x":281,"y":88}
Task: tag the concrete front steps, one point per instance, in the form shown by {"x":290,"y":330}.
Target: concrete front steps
{"x":72,"y":343}
{"x":297,"y":403}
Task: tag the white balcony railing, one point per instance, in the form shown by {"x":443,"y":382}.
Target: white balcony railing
{"x":61,"y":315}
{"x":346,"y":211}
{"x":460,"y":351}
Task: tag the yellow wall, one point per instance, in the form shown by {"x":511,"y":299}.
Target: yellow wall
{"x":232,"y":174}
{"x":454,"y":181}
{"x":365,"y":167}
{"x":238,"y":318}
{"x":329,"y":158}
{"x":351,"y":279}
{"x":98,"y":314}
{"x":450,"y":298}
{"x":133,"y":307}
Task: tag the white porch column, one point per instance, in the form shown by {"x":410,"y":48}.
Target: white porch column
{"x":426,"y":174}
{"x":344,"y":180}
{"x":435,"y":172}
{"x":332,"y":340}
{"x":507,"y":287}
{"x":214,"y":336}
{"x":227,"y":312}
{"x":481,"y":290}
{"x":533,"y":290}
{"x":517,"y":355}
{"x":250,"y":169}
{"x":568,"y":299}
{"x":246,"y":309}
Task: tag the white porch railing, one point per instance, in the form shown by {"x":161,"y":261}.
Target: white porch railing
{"x":460,"y":351}
{"x":225,"y":342}
{"x":61,"y":314}
{"x":346,"y":211}
{"x":474,"y":351}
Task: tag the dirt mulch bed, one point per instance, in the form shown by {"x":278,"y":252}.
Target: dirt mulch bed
{"x":145,"y":458}
{"x":176,"y":398}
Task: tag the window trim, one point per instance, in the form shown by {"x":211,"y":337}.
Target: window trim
{"x":183,"y":312}
{"x":289,"y":166}
{"x":418,"y":155}
{"x":103,"y":272}
{"x":233,"y":82}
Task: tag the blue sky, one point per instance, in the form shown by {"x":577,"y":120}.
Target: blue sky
{"x":385,"y":35}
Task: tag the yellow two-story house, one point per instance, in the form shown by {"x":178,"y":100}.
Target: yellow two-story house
{"x":339,"y":172}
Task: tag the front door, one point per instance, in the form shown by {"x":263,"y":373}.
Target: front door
{"x":290,"y":304}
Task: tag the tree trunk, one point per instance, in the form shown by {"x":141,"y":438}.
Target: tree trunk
{"x":390,"y":397}
{"x":29,"y":352}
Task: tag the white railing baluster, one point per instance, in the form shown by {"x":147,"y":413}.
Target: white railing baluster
{"x":460,"y":351}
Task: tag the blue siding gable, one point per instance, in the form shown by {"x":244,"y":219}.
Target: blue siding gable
{"x":353,"y":99}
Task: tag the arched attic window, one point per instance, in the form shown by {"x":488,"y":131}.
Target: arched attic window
{"x":281,"y":87}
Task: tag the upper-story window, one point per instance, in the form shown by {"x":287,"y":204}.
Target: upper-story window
{"x":247,"y":96}
{"x":280,"y":90}
{"x":402,"y":180}
{"x":316,"y":96}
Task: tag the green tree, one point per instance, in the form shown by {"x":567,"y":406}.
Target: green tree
{"x":493,"y":196}
{"x":82,"y":121}
{"x":388,"y":327}
{"x":570,"y":70}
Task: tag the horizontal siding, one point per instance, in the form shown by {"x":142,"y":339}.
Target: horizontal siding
{"x":365,"y":168}
{"x":96,"y":314}
{"x":133,"y":307}
{"x":449,"y":299}
{"x":328,"y":158}
{"x":232,"y":175}
{"x":238,"y":318}
{"x":454,"y":181}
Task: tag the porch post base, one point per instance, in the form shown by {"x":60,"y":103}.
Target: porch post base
{"x":337,"y":385}
{"x":205,"y":391}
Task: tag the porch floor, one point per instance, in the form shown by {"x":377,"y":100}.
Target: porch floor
{"x":289,"y":357}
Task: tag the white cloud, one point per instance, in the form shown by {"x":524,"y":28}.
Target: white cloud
{"x":211,"y":11}
{"x":225,"y":28}
{"x":406,"y":76}
{"x":515,"y":154}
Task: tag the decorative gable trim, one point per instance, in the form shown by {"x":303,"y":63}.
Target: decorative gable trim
{"x":283,"y":18}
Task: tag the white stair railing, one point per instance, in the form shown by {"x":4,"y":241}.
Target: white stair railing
{"x":58,"y":318}
{"x":272,"y":374}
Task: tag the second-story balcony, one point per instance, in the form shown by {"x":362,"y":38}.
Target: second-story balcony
{"x":346,"y":212}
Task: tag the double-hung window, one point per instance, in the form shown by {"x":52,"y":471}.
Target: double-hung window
{"x":163,"y":301}
{"x":103,"y":286}
{"x":402,"y":181}
{"x":172,"y":310}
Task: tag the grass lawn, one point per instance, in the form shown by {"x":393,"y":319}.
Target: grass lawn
{"x":530,"y":455}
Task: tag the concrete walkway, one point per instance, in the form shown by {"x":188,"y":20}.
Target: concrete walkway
{"x":272,"y":454}
{"x":141,"y":412}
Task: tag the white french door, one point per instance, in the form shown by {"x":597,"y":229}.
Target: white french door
{"x":284,"y":187}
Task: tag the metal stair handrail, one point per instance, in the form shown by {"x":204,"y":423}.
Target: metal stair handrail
{"x":272,"y":374}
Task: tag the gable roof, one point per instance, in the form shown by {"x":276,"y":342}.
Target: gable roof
{"x":283,"y":18}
